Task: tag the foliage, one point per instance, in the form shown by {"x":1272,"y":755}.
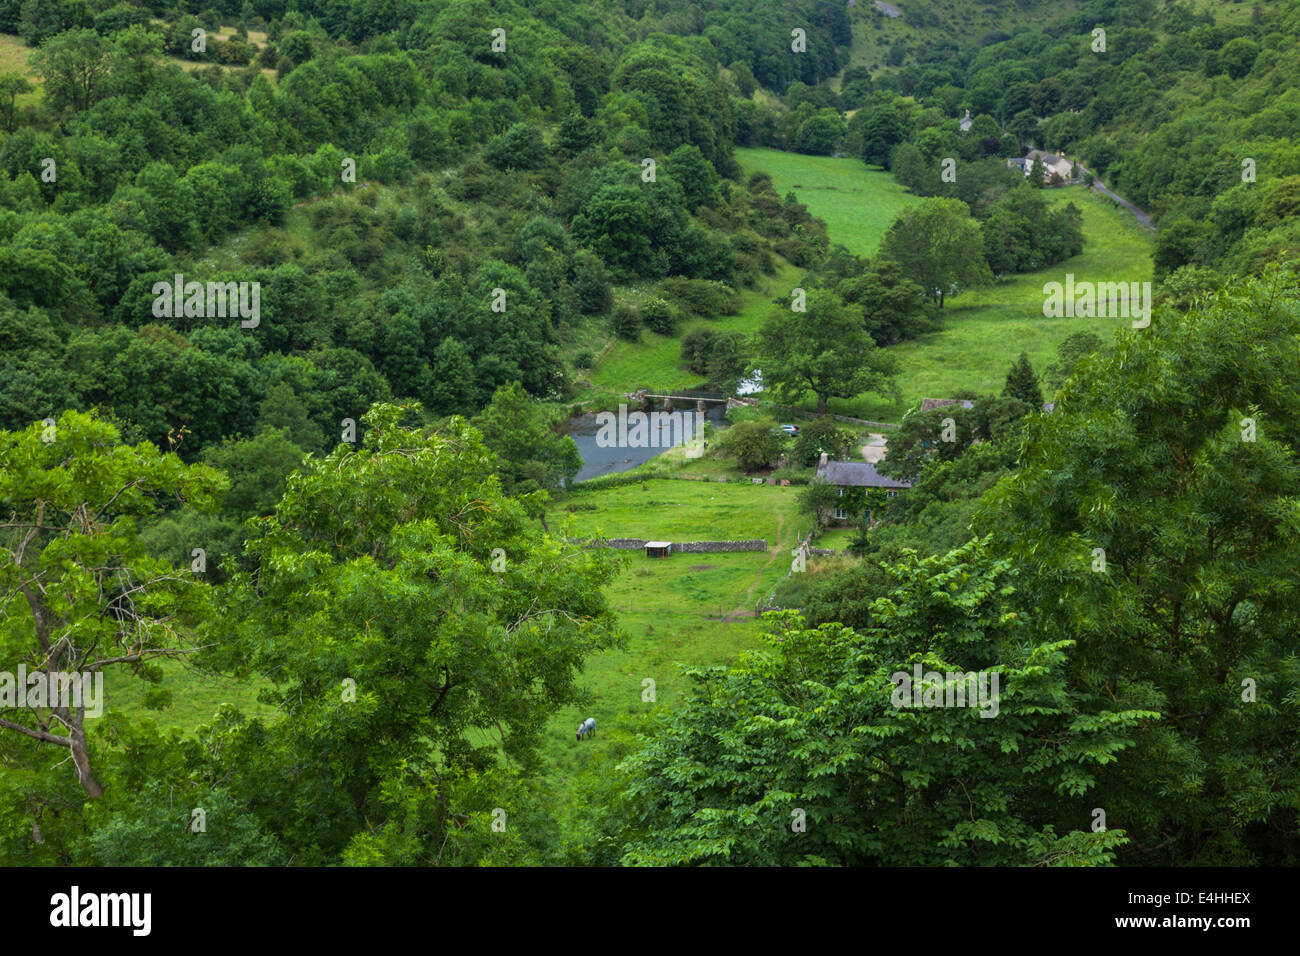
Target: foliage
{"x":939,"y":247}
{"x":754,"y":444}
{"x":92,"y":598}
{"x":1022,"y":383}
{"x":524,"y":435}
{"x":822,"y":350}
{"x":397,"y":534}
{"x":1149,"y":458}
{"x":807,"y":733}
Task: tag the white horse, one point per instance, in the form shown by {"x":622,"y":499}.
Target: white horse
{"x":587,"y":728}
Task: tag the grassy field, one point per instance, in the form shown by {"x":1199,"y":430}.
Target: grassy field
{"x":655,"y":360}
{"x":13,"y":59}
{"x":195,"y":695}
{"x":689,"y":609}
{"x":985,"y":330}
{"x":857,"y":203}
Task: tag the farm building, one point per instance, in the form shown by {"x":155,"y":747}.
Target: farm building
{"x":846,"y":475}
{"x":658,"y":549}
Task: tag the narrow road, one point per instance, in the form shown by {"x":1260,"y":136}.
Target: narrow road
{"x":1143,"y":219}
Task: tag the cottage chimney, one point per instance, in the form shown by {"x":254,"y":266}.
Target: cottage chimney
{"x":822,"y":462}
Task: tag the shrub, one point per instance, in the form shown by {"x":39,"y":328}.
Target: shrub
{"x":703,"y":297}
{"x":627,"y":323}
{"x":659,"y":316}
{"x":754,"y":445}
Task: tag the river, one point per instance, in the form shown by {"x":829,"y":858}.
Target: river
{"x":598,"y":461}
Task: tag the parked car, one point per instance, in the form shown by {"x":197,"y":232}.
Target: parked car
{"x":790,"y":429}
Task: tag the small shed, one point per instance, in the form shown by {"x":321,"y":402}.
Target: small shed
{"x":658,"y":549}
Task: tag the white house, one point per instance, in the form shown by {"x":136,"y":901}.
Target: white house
{"x":1048,"y":164}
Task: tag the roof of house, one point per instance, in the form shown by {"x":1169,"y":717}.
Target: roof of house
{"x":1052,"y":161}
{"x":930,"y":403}
{"x":858,"y":474}
{"x":658,"y":544}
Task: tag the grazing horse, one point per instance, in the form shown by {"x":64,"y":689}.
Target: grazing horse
{"x":587,"y":728}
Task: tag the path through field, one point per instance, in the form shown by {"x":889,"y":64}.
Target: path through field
{"x":747,"y":608}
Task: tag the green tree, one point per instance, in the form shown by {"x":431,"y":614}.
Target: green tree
{"x":659,"y":316}
{"x":822,"y":350}
{"x":523,"y":433}
{"x":627,"y":322}
{"x":297,"y":46}
{"x":257,"y":468}
{"x":754,"y":445}
{"x":1238,"y":56}
{"x":698,"y":179}
{"x":591,"y":283}
{"x":575,"y":134}
{"x":1072,"y":351}
{"x":821,"y":134}
{"x":74,"y":68}
{"x":893,"y":307}
{"x":881,"y":132}
{"x":282,"y":409}
{"x":151,"y":829}
{"x":910,"y":169}
{"x":136,"y":51}
{"x":401,"y":570}
{"x":812,"y":728}
{"x":1022,"y":383}
{"x":616,"y":224}
{"x":12,"y":86}
{"x":1155,"y":533}
{"x":819,"y":499}
{"x":519,"y":147}
{"x":85,"y":594}
{"x":823,"y":436}
{"x":938,"y":246}
{"x":1182,"y":242}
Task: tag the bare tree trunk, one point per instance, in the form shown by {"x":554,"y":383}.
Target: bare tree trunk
{"x":80,"y":754}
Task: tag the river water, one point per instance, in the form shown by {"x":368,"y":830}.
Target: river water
{"x":598,"y":461}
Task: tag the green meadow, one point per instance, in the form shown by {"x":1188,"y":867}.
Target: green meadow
{"x":857,"y":203}
{"x":984,"y":330}
{"x":189,"y":699}
{"x":684,"y":610}
{"x":655,"y":360}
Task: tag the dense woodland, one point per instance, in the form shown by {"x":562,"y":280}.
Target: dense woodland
{"x":579,"y":167}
